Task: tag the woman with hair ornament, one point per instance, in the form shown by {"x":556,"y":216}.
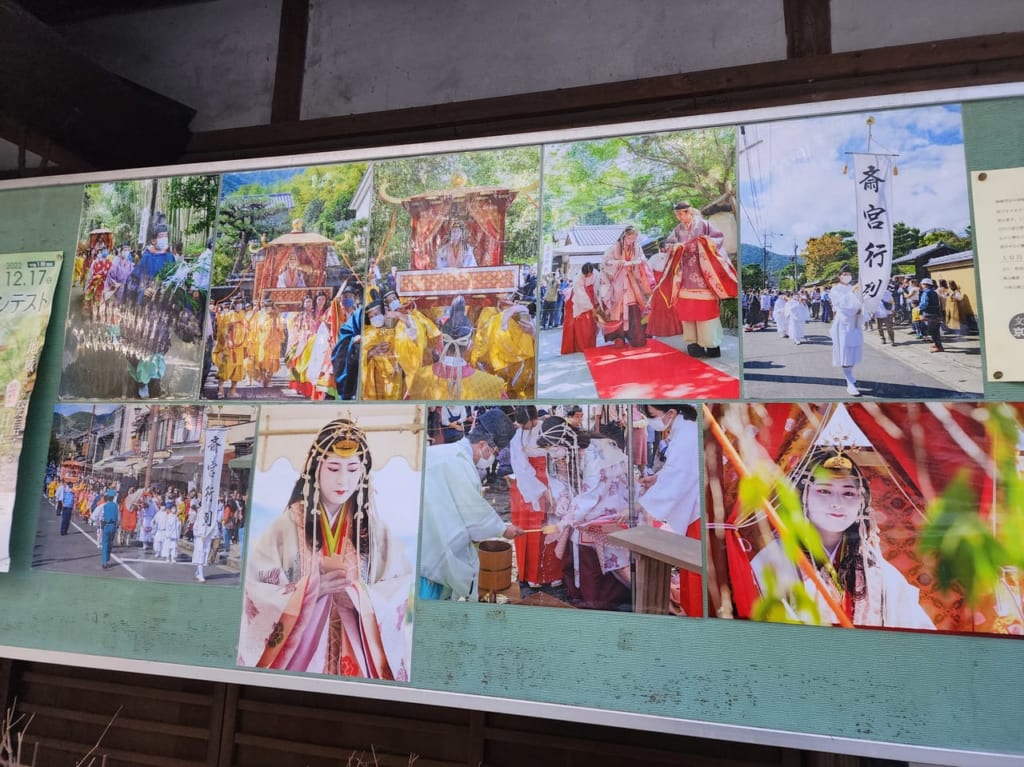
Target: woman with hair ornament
{"x":836,"y":500}
{"x":327,"y":585}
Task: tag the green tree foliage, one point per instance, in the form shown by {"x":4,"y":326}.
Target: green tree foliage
{"x":637,"y":179}
{"x":826,"y":254}
{"x":244,"y":219}
{"x":972,"y":550}
{"x":949,"y":237}
{"x":752,"y":276}
{"x":515,"y":168}
{"x":192,"y":204}
{"x":904,"y":239}
{"x":320,"y":195}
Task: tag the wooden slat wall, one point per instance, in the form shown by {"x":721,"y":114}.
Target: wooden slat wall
{"x":164,"y":722}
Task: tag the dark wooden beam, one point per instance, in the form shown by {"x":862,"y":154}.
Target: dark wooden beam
{"x":808,"y":27}
{"x":900,"y":69}
{"x":291,"y":61}
{"x":62,"y":160}
{"x":56,"y":12}
{"x":55,"y":92}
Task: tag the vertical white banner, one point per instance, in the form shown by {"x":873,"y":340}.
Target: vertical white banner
{"x":873,"y":176}
{"x":213,"y":463}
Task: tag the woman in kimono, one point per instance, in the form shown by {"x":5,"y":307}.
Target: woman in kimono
{"x":327,"y":585}
{"x":589,"y":483}
{"x":624,"y":290}
{"x":836,"y":500}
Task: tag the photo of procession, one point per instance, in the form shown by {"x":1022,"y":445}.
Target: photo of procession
{"x":858,"y":267}
{"x":150,"y":492}
{"x":867,"y":515}
{"x":564,"y":505}
{"x":288,"y":271}
{"x":329,"y":574}
{"x":638,"y":281}
{"x":450,"y":310}
{"x":139,"y":290}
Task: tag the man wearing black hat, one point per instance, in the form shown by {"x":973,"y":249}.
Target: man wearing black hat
{"x":687,"y":290}
{"x":847,"y":332}
{"x":455,"y":513}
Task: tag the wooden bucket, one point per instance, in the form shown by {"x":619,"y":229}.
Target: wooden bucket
{"x":495,"y":565}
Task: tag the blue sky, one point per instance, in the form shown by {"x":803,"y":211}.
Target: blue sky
{"x":66,"y":410}
{"x":791,"y":173}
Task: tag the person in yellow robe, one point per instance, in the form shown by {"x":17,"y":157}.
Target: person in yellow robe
{"x":393,"y":342}
{"x":230,"y":347}
{"x":265,"y":341}
{"x":451,"y":377}
{"x":504,"y":345}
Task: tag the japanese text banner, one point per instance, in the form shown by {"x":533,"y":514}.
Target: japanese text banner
{"x":27,"y":282}
{"x":873,"y":175}
{"x":213,"y":463}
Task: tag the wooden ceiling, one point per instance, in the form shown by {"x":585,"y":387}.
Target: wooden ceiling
{"x":55,"y":102}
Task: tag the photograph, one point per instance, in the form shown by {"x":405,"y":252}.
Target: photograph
{"x":450,"y":313}
{"x":867,"y":515}
{"x":139,"y":290}
{"x":288,"y":270}
{"x":533,"y":505}
{"x":857,"y":248}
{"x":638,"y":281}
{"x":150,"y":492}
{"x":329,"y":571}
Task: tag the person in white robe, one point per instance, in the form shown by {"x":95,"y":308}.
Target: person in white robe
{"x":672,"y":496}
{"x":455,"y":514}
{"x":204,"y":530}
{"x":159,"y":528}
{"x":779,"y":315}
{"x":798,"y":312}
{"x":846,"y":331}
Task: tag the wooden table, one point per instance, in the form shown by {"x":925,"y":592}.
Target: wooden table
{"x":657,"y":552}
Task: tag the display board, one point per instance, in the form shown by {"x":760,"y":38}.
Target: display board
{"x":629,"y":440}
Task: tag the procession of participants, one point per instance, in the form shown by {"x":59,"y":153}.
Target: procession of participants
{"x":150,"y":525}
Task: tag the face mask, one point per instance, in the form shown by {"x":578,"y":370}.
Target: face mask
{"x":658,"y":424}
{"x":161,"y":243}
{"x":395,"y":306}
{"x":483,"y":464}
{"x":348,"y":303}
{"x":377,"y":321}
{"x":846,"y":279}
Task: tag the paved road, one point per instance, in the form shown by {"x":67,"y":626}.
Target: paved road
{"x":774,"y":368}
{"x":78,"y":553}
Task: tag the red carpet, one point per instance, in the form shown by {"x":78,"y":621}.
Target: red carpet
{"x":656,"y":371}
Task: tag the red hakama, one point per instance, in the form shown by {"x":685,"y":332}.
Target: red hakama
{"x":536,"y":561}
{"x":662,"y":321}
{"x":578,"y":333}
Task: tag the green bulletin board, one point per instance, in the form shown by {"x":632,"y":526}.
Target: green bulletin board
{"x":869,"y":692}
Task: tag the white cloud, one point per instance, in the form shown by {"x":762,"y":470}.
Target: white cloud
{"x":792,"y":184}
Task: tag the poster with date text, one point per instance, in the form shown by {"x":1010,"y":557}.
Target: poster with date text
{"x":27,"y":281}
